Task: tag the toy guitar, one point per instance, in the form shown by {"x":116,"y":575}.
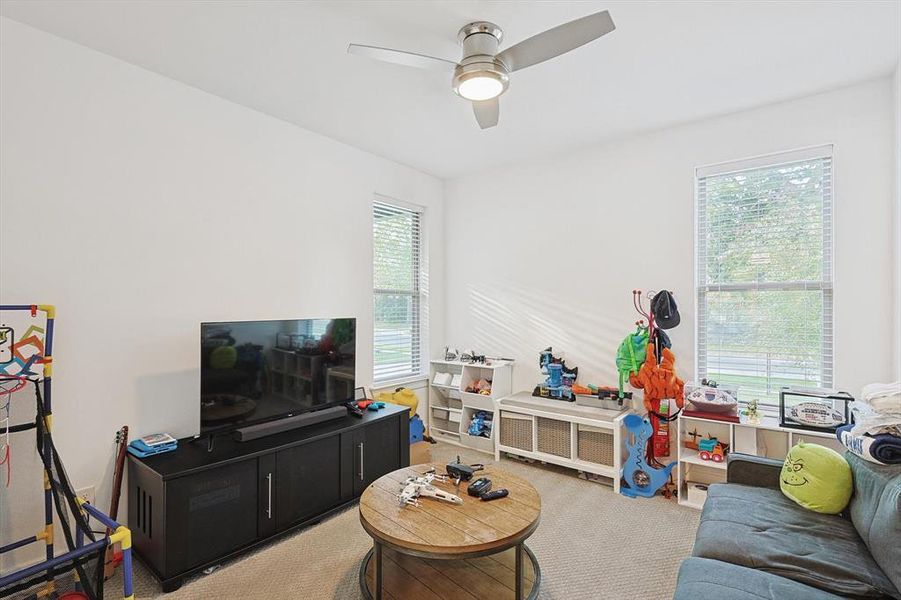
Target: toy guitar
{"x":113,"y":558}
{"x":640,"y":478}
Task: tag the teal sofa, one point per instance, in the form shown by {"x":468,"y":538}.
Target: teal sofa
{"x":753,"y":543}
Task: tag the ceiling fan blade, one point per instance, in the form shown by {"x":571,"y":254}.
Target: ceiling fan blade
{"x":556,"y":41}
{"x":408,"y":59}
{"x":487,"y":112}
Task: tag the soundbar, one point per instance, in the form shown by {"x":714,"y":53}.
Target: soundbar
{"x":253,"y":432}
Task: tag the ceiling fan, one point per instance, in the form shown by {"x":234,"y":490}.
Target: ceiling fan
{"x":483,"y":74}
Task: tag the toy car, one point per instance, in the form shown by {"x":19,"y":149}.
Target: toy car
{"x":711,"y":449}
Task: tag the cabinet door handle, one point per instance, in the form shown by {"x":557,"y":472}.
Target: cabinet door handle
{"x":361,"y":461}
{"x":269,"y":494}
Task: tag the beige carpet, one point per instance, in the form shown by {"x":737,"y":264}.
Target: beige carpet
{"x":591,"y":543}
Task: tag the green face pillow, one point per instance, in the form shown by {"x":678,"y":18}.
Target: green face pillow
{"x":817,"y":478}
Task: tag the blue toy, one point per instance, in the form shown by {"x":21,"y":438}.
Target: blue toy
{"x":560,"y":378}
{"x":375,"y":406}
{"x":555,"y":375}
{"x":639,"y":478}
{"x":480,"y":425}
{"x":417,"y":429}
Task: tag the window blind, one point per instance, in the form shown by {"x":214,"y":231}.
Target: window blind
{"x":764,"y":273}
{"x":397,"y":302}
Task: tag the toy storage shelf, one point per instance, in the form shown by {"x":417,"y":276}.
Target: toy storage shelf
{"x":766,"y":438}
{"x":451,"y":407}
{"x":692,"y":457}
{"x":558,"y":432}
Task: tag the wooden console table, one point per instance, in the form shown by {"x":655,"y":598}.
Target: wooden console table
{"x":439,"y":550}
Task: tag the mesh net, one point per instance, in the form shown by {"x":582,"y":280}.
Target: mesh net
{"x":88,"y":568}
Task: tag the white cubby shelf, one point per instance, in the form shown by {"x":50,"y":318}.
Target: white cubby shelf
{"x":451,"y":407}
{"x":766,"y":438}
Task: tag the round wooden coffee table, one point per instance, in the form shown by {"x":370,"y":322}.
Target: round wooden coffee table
{"x":439,"y":550}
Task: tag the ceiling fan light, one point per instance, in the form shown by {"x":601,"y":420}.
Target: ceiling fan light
{"x":481,"y":86}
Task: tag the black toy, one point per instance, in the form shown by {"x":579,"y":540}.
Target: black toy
{"x":479,"y":486}
{"x":461,"y":472}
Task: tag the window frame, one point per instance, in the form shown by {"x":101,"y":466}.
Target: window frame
{"x":826,"y":284}
{"x":419,"y":295}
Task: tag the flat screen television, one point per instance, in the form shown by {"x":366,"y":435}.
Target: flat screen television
{"x":255,"y":371}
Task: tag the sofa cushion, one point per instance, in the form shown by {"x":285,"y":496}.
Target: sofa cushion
{"x":875,"y":510}
{"x":761,"y":529}
{"x":702,"y":578}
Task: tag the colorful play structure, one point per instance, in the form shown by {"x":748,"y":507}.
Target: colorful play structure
{"x":26,"y":360}
{"x":645,"y":359}
{"x":560,"y":378}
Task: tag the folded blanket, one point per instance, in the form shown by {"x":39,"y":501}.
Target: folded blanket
{"x":884,"y":398}
{"x":883,"y":449}
{"x":875,"y":390}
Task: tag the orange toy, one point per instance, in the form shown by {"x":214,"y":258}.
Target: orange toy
{"x":658,"y":381}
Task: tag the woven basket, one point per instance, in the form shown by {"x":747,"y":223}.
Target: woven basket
{"x":516,"y":431}
{"x":554,"y":437}
{"x":595,"y":446}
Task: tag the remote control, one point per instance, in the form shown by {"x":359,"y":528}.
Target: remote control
{"x":501,"y":493}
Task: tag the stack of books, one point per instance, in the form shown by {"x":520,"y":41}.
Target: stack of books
{"x":149,"y":445}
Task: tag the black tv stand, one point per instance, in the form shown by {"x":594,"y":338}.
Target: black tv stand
{"x":206,"y":503}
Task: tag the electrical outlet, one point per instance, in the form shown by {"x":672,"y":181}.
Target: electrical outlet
{"x":87,"y":493}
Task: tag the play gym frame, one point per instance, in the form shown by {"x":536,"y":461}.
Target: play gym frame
{"x":79,"y":552}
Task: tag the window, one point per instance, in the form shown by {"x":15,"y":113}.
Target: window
{"x":764,"y":273}
{"x":398,"y":298}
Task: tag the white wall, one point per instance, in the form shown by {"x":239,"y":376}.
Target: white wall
{"x":141,"y":207}
{"x":897,"y":221}
{"x":554,"y":247}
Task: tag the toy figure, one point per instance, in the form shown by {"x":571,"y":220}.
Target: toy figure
{"x":546,"y":357}
{"x":640,"y":479}
{"x":752,"y":412}
{"x":560,"y":378}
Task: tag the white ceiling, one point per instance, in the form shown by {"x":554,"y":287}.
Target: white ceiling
{"x":666,"y":63}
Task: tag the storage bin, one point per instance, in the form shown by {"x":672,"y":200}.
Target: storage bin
{"x":697,"y":492}
{"x":595,"y":445}
{"x":516,"y":431}
{"x":443,"y":426}
{"x":554,"y":437}
{"x":477,"y":442}
{"x":478,"y":401}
